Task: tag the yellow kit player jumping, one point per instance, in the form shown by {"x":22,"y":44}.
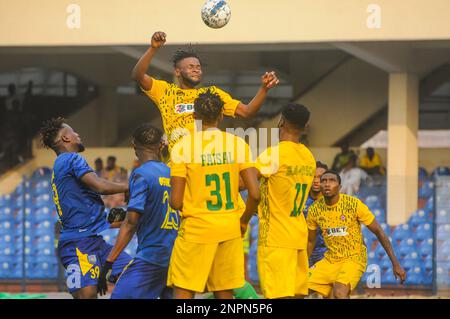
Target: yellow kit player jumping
{"x":287,"y":172}
{"x":206,"y":165}
{"x":339,"y":217}
{"x":176,"y":102}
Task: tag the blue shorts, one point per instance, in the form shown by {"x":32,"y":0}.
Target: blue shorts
{"x":82,"y":259}
{"x":142,"y":280}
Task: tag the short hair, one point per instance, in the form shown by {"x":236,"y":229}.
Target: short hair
{"x":319,"y":164}
{"x":147,"y":135}
{"x":49,"y":131}
{"x":111,"y":158}
{"x":98,"y":160}
{"x":208,"y":106}
{"x":183,"y":54}
{"x":296,"y":114}
{"x":334,"y":173}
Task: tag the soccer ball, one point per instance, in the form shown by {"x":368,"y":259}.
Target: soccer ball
{"x":216,"y":13}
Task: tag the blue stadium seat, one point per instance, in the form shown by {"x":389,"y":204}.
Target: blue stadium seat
{"x":426,"y":250}
{"x":443,"y":253}
{"x":419,"y":217}
{"x":41,"y":187}
{"x":426,"y":190}
{"x":423,"y":174}
{"x":380,"y":214}
{"x":43,"y":200}
{"x":41,"y":172}
{"x":410,"y":264}
{"x":380,"y":253}
{"x":443,"y":232}
{"x":424,"y":232}
{"x":43,"y":214}
{"x":373,"y":202}
{"x":6,"y":214}
{"x":388,"y":278}
{"x":5,"y":200}
{"x":401,"y":232}
{"x":43,"y":228}
{"x":5,"y":268}
{"x":441,"y":171}
{"x":429,"y":206}
{"x":428,"y":265}
{"x":443,"y":216}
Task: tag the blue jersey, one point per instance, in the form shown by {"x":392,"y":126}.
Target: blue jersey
{"x":80,"y":209}
{"x":320,"y":248}
{"x":158,"y":224}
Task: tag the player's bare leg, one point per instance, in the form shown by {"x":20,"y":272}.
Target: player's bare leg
{"x":89,"y":292}
{"x":223,"y":294}
{"x":341,"y":291}
{"x":180,"y":293}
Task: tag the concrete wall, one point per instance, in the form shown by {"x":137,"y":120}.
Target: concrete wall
{"x":347,"y":97}
{"x":106,"y":22}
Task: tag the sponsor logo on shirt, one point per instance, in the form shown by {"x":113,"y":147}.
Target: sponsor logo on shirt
{"x":92,"y":259}
{"x":184,"y":108}
{"x":82,"y":230}
{"x":337,"y":231}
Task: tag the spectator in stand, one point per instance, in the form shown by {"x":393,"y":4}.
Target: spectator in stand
{"x":99,"y":167}
{"x":342,"y":158}
{"x":352,"y":176}
{"x":371,"y":163}
{"x":113,"y":172}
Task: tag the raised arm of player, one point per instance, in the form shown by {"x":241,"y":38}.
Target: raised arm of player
{"x":177,"y":185}
{"x":126,"y":233}
{"x":139,"y":73}
{"x":375,"y":228}
{"x":312,"y":234}
{"x":254,"y":196}
{"x":103,"y":186}
{"x":268,"y":81}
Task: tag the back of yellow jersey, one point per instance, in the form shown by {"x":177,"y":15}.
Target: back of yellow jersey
{"x":210,"y":161}
{"x":177,"y":107}
{"x":288,"y":172}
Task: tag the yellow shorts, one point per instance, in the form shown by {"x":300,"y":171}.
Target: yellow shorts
{"x":324,"y":274}
{"x":217,"y":266}
{"x":282,"y":272}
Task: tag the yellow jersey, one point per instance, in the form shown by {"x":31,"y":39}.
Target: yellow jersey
{"x":210,"y":161}
{"x":341,"y":229}
{"x":177,"y":107}
{"x":287,"y":175}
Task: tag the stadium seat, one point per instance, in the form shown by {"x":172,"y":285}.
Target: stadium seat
{"x":426,"y":190}
{"x":443,"y":232}
{"x":6,"y":214}
{"x":43,"y":200}
{"x":441,"y":171}
{"x":373,"y":202}
{"x":388,"y":278}
{"x":426,"y":250}
{"x":443,"y":253}
{"x":423,"y":174}
{"x":41,"y":172}
{"x":443,"y":216}
{"x":423,"y":232}
{"x":401,"y":232}
{"x":43,"y":214}
{"x":380,"y":214}
{"x":43,"y":228}
{"x":429,"y":206}
{"x":419,"y":217}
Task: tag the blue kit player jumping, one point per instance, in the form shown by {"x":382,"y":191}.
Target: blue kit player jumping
{"x":81,"y":211}
{"x":151,"y":217}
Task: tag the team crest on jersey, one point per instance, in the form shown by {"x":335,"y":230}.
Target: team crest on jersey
{"x":184,"y":108}
{"x":92,"y":259}
{"x":337,"y":231}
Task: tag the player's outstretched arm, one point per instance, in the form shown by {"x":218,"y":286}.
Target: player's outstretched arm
{"x":103,"y":186}
{"x":254,"y":196}
{"x":375,"y":228}
{"x":139,"y":73}
{"x":177,"y":185}
{"x":126,"y":232}
{"x":312,"y":235}
{"x":268,"y":81}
